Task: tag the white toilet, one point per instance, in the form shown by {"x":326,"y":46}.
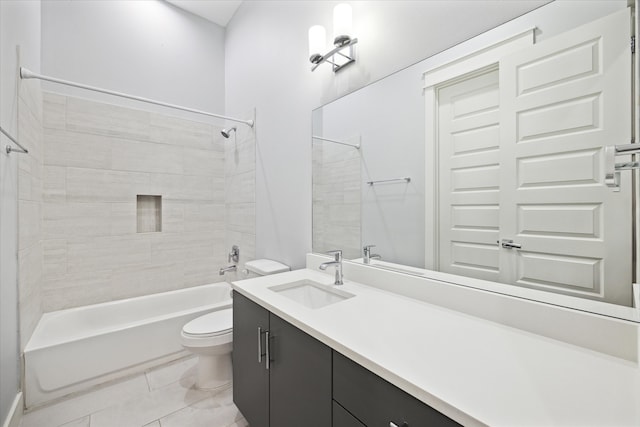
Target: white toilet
{"x":210,"y":336}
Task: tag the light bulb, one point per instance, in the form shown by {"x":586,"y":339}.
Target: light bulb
{"x":317,"y":43}
{"x":342,"y":24}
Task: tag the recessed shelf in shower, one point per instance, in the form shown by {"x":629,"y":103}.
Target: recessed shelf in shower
{"x":149,"y":213}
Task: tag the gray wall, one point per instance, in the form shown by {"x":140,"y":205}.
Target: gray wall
{"x":19,"y":25}
{"x":392,"y":34}
{"x":146,"y":48}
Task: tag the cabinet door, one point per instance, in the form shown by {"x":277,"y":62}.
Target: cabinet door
{"x":378,"y":403}
{"x":342,"y":418}
{"x":250,"y":377}
{"x":300,"y":378}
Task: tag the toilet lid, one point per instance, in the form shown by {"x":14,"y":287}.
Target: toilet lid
{"x":215,"y":323}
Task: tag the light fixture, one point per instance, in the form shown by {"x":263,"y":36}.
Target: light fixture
{"x":342,"y":52}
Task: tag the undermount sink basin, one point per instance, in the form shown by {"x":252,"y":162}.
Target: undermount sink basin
{"x":311,"y":294}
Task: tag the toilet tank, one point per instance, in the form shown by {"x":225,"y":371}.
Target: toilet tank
{"x":263,"y":267}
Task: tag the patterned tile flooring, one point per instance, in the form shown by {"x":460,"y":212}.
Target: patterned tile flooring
{"x":162,"y":397}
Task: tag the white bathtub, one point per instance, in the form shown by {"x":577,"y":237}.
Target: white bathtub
{"x":71,"y":350}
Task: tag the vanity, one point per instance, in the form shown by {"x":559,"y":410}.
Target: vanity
{"x":363,"y":355}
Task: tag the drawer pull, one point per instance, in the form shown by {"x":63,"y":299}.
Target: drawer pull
{"x":392,"y":424}
{"x":259,"y":344}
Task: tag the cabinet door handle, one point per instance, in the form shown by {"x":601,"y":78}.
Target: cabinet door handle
{"x":392,"y":424}
{"x":260,"y":345}
{"x":268,"y":352}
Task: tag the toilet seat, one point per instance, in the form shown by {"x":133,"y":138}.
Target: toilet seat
{"x":212,"y":329}
{"x":216,"y":323}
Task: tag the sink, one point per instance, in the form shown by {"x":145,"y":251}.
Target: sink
{"x":311,"y":294}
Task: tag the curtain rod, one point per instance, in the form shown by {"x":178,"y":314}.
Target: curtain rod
{"x":10,"y":148}
{"x":28,"y":74}
{"x":357,"y":146}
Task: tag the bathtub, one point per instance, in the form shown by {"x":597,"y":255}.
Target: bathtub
{"x":78,"y":348}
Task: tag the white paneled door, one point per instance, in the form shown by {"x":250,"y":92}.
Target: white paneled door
{"x":521,"y":160}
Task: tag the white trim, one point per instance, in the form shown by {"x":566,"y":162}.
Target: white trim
{"x":15,"y":413}
{"x":461,"y":68}
{"x":478,"y":59}
{"x":636,"y":295}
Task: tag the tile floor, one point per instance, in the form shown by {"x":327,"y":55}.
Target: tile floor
{"x":162,"y":397}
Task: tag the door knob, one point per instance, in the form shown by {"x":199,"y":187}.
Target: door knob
{"x":509,"y":244}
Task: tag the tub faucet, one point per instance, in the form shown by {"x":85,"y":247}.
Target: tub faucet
{"x":368,"y":256}
{"x":337,"y":264}
{"x":226,"y":269}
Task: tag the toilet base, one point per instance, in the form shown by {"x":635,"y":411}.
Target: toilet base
{"x":214,"y":371}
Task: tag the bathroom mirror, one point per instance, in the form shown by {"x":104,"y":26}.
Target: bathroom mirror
{"x":385,"y":174}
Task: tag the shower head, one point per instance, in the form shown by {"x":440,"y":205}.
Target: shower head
{"x":227,"y":132}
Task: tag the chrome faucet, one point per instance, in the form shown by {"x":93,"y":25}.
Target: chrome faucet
{"x":367,"y":254}
{"x":337,"y":264}
{"x":226,"y":269}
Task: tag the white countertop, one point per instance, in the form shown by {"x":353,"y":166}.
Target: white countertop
{"x":475,"y":371}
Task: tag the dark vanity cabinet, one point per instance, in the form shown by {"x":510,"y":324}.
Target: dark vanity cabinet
{"x":363,"y":399}
{"x":281,"y":375}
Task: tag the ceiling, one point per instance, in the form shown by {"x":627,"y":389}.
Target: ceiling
{"x":217,"y":11}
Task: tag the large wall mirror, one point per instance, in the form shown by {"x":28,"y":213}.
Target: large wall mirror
{"x":489,"y":161}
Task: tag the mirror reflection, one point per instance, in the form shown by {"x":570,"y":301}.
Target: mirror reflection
{"x":489,"y":160}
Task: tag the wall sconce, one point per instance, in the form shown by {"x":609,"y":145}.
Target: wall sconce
{"x":342,"y":53}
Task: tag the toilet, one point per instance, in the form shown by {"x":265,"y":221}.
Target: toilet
{"x":211,"y":336}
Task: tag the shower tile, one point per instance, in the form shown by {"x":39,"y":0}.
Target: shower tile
{"x":183,"y":370}
{"x":86,"y":403}
{"x":181,"y":132}
{"x":112,"y":252}
{"x":31,"y":94}
{"x":66,"y":220}
{"x":75,"y":149}
{"x":204,"y":216}
{"x":241,"y":188}
{"x":173,"y":216}
{"x":152,"y":278}
{"x":29,"y":223}
{"x":187,"y":187}
{"x":203,"y":162}
{"x":240,"y":157}
{"x":136,"y":156}
{"x":123,"y":218}
{"x":54,"y":111}
{"x":54,"y":258}
{"x":241,"y":217}
{"x":148,"y":407}
{"x":71,"y":291}
{"x":54,"y":185}
{"x":97,"y":185}
{"x":105,"y":119}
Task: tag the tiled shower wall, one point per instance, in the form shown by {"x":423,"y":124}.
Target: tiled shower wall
{"x":97,"y":159}
{"x":30,"y":184}
{"x":336,"y":199}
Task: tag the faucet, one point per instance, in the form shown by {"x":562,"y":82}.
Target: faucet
{"x":225,"y":269}
{"x":368,"y":256}
{"x":337,"y":264}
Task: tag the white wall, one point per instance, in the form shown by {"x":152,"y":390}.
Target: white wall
{"x":19,"y":25}
{"x":267,"y":68}
{"x":150,"y":49}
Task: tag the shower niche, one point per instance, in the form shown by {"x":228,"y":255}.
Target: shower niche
{"x":149,"y":213}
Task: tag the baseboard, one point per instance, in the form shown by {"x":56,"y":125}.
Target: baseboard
{"x":15,"y":413}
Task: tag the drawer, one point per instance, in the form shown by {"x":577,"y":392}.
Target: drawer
{"x":342,"y":418}
{"x":376,"y":402}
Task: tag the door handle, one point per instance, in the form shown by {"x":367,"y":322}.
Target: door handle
{"x":260,"y":353}
{"x":509,"y":244}
{"x":268,"y":352}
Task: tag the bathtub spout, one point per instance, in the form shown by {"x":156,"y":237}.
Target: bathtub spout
{"x":229,"y":268}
